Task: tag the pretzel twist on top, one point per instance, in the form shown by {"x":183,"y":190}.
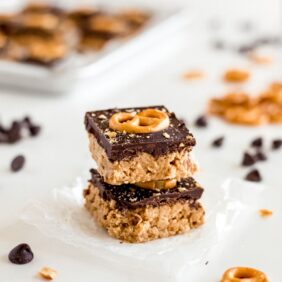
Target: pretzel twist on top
{"x":147,"y":121}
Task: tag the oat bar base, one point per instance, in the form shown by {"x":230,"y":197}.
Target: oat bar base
{"x":146,"y":223}
{"x":143,"y":167}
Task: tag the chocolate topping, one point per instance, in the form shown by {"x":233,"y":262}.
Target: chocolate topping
{"x":121,"y":145}
{"x":129,"y":196}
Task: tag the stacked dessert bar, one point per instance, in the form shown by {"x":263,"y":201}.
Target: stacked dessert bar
{"x":143,"y":187}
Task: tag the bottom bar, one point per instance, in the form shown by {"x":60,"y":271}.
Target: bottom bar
{"x":136,"y":215}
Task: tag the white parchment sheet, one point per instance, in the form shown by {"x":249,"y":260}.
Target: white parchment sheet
{"x":62,"y":215}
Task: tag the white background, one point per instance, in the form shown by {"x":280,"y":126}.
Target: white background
{"x":60,"y":153}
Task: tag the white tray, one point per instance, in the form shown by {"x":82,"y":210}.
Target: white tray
{"x":66,"y":75}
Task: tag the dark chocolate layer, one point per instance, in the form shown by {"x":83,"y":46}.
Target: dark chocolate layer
{"x":125,"y":145}
{"x":130,"y":196}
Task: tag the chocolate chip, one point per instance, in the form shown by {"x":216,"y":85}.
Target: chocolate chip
{"x":260,"y":156}
{"x":218,"y":142}
{"x":276,"y":144}
{"x":248,"y":160}
{"x":201,"y":121}
{"x":14,"y":133}
{"x":258,"y":142}
{"x":254,"y":176}
{"x":34,"y":130}
{"x":3,"y":137}
{"x":21,"y":254}
{"x":27,"y":121}
{"x":17,"y":163}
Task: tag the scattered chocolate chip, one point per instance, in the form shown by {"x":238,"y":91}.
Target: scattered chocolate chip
{"x":27,"y":120}
{"x":201,"y":121}
{"x":276,"y":144}
{"x":13,"y":133}
{"x":17,"y":163}
{"x":258,"y":142}
{"x":248,"y":160}
{"x":207,"y":262}
{"x":218,"y":142}
{"x":34,"y":130}
{"x":260,"y":156}
{"x":21,"y":254}
{"x":254,"y":176}
{"x":3,"y":137}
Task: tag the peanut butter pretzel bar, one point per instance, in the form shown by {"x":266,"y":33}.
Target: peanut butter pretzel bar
{"x":136,"y":215}
{"x":125,"y":156}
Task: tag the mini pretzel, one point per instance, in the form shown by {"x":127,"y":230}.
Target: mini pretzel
{"x":244,"y":274}
{"x":161,"y":184}
{"x":147,"y":121}
{"x":42,"y":21}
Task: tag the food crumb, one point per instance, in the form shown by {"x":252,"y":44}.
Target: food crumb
{"x":48,"y":273}
{"x":194,"y":75}
{"x":265,"y":212}
{"x":260,"y":59}
{"x":236,"y":75}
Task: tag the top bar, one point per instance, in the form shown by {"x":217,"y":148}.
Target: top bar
{"x":119,"y":145}
{"x":139,"y":144}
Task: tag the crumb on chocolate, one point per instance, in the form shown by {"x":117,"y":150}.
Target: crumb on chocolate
{"x":166,"y":135}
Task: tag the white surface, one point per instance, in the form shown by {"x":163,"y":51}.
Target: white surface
{"x":62,"y":215}
{"x":60,"y":153}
